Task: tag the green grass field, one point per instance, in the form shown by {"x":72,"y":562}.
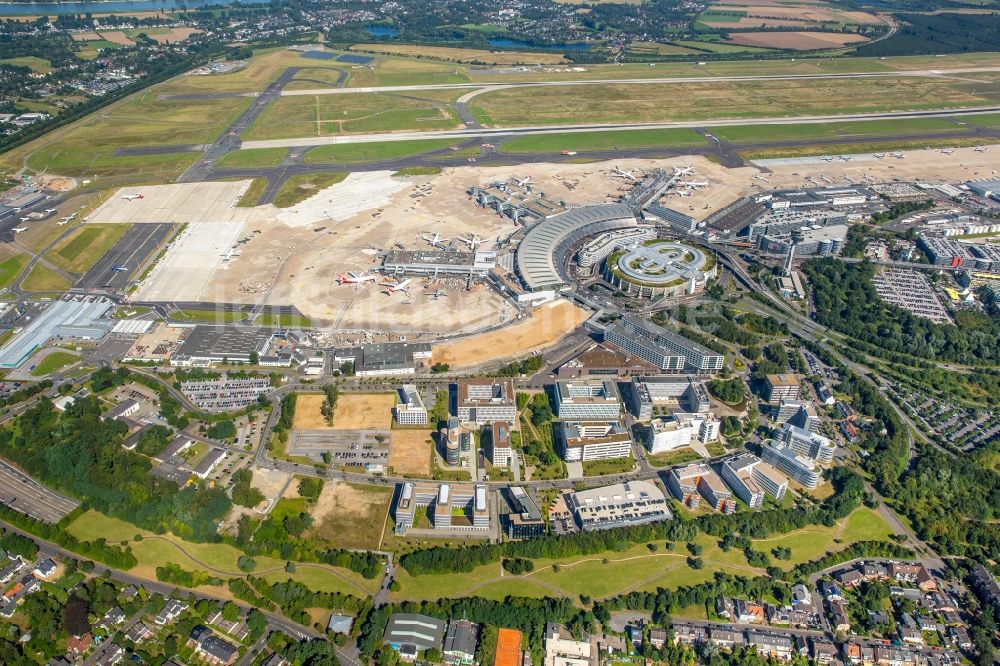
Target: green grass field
{"x":208,"y":316}
{"x":861,"y":147}
{"x":671,"y":458}
{"x":53,"y":362}
{"x":10,"y":268}
{"x":418,"y":171}
{"x":861,"y":129}
{"x":253,"y":194}
{"x":84,"y":247}
{"x":254,"y":157}
{"x":42,"y":278}
{"x":597,"y":141}
{"x":612,"y":466}
{"x":988,"y":120}
{"x":302,"y":186}
{"x":34,"y":63}
{"x":283,"y":321}
{"x":349,"y":153}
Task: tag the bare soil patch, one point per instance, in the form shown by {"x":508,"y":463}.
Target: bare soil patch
{"x":89,"y":36}
{"x":117,"y":37}
{"x":410,"y":453}
{"x":351,"y":516}
{"x":364,"y":411}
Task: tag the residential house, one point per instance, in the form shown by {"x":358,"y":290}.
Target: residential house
{"x":771,"y":645}
{"x":689,"y":634}
{"x":112,"y":654}
{"x":822,"y":651}
{"x":748,"y":612}
{"x":138,"y":633}
{"x":562,"y":650}
{"x":725,"y":638}
{"x":210,"y":647}
{"x":78,"y":645}
{"x":113,"y":618}
{"x":657,"y":637}
{"x":460,"y":642}
{"x":45,"y":569}
{"x":849,"y":578}
{"x":170,"y":611}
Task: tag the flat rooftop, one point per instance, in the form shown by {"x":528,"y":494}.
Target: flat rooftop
{"x":225,"y":341}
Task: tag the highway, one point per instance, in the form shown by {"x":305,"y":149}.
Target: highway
{"x":532,"y":130}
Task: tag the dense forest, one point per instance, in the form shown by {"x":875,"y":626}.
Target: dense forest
{"x":939,"y":33}
{"x":846,"y":301}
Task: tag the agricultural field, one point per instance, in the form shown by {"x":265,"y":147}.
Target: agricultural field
{"x":302,"y":186}
{"x":797,"y":41}
{"x":347,"y":153}
{"x":721,"y":100}
{"x":326,"y":115}
{"x":595,"y":141}
{"x":85,"y":246}
{"x":87,"y":147}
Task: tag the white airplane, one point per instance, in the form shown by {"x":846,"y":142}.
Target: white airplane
{"x":435,"y":239}
{"x":132,"y":197}
{"x":119,"y":269}
{"x":229,"y":254}
{"x":391,"y":288}
{"x":355,"y":278}
{"x":62,"y":222}
{"x":947,"y":151}
{"x":699,"y":184}
{"x":49,"y":211}
{"x":473,"y":242}
{"x":845,"y":158}
{"x":980,"y":149}
{"x":623,"y":174}
{"x":523,"y":181}
{"x":683,"y":171}
{"x":18,"y":230}
{"x":826,"y":158}
{"x":879,"y":156}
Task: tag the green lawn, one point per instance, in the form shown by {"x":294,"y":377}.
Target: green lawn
{"x":208,"y":316}
{"x":861,"y":129}
{"x":595,"y":141}
{"x":671,"y":458}
{"x":254,"y":157}
{"x":612,"y":466}
{"x":989,"y":120}
{"x":54,"y":362}
{"x":253,"y":193}
{"x":41,"y":278}
{"x":11,"y":268}
{"x":418,"y":171}
{"x":861,"y":147}
{"x":35,"y":64}
{"x":86,"y":246}
{"x":283,"y":321}
{"x":350,"y":153}
{"x":302,"y":186}
{"x":865,"y":525}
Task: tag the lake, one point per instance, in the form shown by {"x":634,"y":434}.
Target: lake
{"x":382,"y":31}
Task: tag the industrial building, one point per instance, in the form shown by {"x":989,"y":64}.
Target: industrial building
{"x":960,"y":254}
{"x":74,"y":318}
{"x":666,"y":350}
{"x":631,"y":503}
{"x":586,"y":441}
{"x":420,"y":632}
{"x":387,"y":358}
{"x":677,"y":430}
{"x":450,"y":508}
{"x":800,"y":468}
{"x":225,"y":393}
{"x":500,"y":449}
{"x":206,"y":345}
{"x":588,"y":400}
{"x":410,"y":409}
{"x":483,"y":401}
{"x":808,"y":241}
{"x":781,"y":387}
{"x":542,"y":252}
{"x":524,"y":520}
{"x":751,"y":479}
{"x":693,"y":482}
{"x":645,"y":395}
{"x":987,"y":188}
{"x":438,"y":262}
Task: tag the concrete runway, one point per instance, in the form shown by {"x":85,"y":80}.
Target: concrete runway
{"x":132,"y":251}
{"x":22,"y":493}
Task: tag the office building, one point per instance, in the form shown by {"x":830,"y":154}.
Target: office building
{"x":449,"y":508}
{"x":631,"y":503}
{"x":800,"y":468}
{"x":806,"y":443}
{"x":483,"y":401}
{"x":500,"y":449}
{"x":524,"y":520}
{"x":781,"y":387}
{"x":805,"y":419}
{"x":679,"y":429}
{"x":605,"y":361}
{"x":696,"y":481}
{"x":666,"y":350}
{"x":588,"y":400}
{"x":645,"y":396}
{"x":589,"y":440}
{"x":410,"y":408}
{"x":751,"y":479}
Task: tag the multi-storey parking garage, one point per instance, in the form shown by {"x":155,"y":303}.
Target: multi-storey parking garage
{"x":542,"y":253}
{"x":659,"y":268}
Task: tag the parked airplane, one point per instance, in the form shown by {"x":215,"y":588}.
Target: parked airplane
{"x":119,"y":269}
{"x":132,"y":197}
{"x":623,"y":174}
{"x":229,"y":254}
{"x":391,"y":288}
{"x":569,"y":152}
{"x":49,"y":211}
{"x":435,"y":239}
{"x":947,"y":151}
{"x":355,"y":278}
{"x":699,"y":184}
{"x":62,"y":222}
{"x":18,"y":230}
{"x":523,"y":181}
{"x":473,"y":241}
{"x":438,"y":294}
{"x":826,"y":158}
{"x":683,"y":171}
{"x":980,"y":149}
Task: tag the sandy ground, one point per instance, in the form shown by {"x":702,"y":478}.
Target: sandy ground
{"x":117,"y":37}
{"x":307,"y":412}
{"x":546,"y":325}
{"x":351,"y":516}
{"x":409,"y":452}
{"x":364,"y":411}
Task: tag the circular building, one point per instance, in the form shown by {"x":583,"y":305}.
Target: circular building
{"x":659,"y":268}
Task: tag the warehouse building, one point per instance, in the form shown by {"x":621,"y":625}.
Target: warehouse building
{"x":410,"y":630}
{"x":438,"y":262}
{"x":751,"y":479}
{"x":75,"y":318}
{"x":588,"y":400}
{"x":631,"y":503}
{"x":410,"y":408}
{"x":586,"y":441}
{"x":207,"y":345}
{"x":667,"y":350}
{"x":644,"y":396}
{"x":386,"y":358}
{"x":483,"y":401}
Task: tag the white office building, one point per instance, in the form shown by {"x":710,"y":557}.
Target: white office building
{"x":798,"y":467}
{"x":809,"y":444}
{"x":751,"y":479}
{"x":584,"y":441}
{"x":410,"y":408}
{"x":588,"y":400}
{"x":666,"y":350}
{"x":679,"y":429}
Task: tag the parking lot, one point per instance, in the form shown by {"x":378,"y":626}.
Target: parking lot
{"x":22,"y":493}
